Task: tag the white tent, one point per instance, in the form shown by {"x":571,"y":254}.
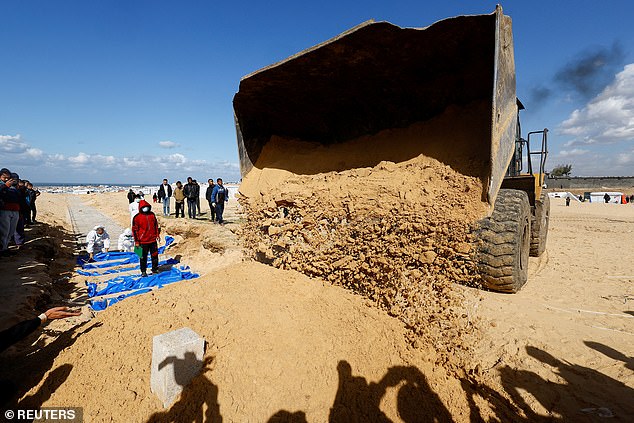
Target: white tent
{"x":598,"y":197}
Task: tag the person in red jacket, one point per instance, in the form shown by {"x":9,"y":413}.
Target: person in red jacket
{"x":146,"y":235}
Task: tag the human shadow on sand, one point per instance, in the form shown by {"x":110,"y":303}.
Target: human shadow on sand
{"x":359,"y":401}
{"x":54,"y":380}
{"x":197,"y":394}
{"x":27,"y":370}
{"x":581,"y":394}
{"x":612,"y":353}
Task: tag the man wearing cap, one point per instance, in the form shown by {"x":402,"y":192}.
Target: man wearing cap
{"x":9,"y":208}
{"x":97,"y":241}
{"x":146,"y":235}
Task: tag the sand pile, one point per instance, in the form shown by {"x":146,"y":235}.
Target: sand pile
{"x":399,"y":234}
{"x":278,"y":343}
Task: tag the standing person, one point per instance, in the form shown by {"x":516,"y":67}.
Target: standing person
{"x":210,"y":190}
{"x":179,"y":199}
{"x":146,"y":235}
{"x":606,"y":197}
{"x":18,"y":236}
{"x":33,"y":194}
{"x":26,"y":211}
{"x":219,"y":196}
{"x":568,"y":201}
{"x":164,"y":194}
{"x":9,"y":208}
{"x":155,"y":198}
{"x":131,"y":196}
{"x":192,"y":192}
{"x":197,"y":198}
{"x":97,"y":241}
{"x":134,"y":207}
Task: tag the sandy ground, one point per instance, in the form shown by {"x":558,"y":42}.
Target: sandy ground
{"x":566,"y":341}
{"x":38,"y":275}
{"x":284,"y":347}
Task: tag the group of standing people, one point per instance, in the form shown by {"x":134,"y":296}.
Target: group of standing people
{"x":216,"y":195}
{"x":17,"y":209}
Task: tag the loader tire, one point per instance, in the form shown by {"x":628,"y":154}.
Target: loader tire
{"x":539,"y":225}
{"x":503,"y":243}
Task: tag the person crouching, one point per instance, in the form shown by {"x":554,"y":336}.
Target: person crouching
{"x":146,"y":235}
{"x":97,"y":241}
{"x":126,"y":241}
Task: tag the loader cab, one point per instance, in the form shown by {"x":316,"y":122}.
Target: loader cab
{"x":526,"y":170}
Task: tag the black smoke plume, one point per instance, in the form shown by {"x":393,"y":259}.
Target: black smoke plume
{"x":591,"y":70}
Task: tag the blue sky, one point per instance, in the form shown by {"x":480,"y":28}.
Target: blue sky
{"x":132,"y":91}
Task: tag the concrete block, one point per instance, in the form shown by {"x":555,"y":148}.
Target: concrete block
{"x":177,"y":357}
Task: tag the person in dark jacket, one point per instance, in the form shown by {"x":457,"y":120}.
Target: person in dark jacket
{"x":607,"y":197}
{"x":164,"y":195}
{"x":210,"y":190}
{"x":219,"y":196}
{"x":192,"y":193}
{"x":33,"y":194}
{"x":197,"y":198}
{"x":131,"y":196}
{"x":146,"y":235}
{"x":9,"y":208}
{"x":18,"y":236}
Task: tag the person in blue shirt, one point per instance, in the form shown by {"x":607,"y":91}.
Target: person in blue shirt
{"x":219,"y":196}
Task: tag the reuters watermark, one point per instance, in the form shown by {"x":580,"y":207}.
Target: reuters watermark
{"x":47,"y":414}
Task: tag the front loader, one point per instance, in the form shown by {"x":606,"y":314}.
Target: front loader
{"x":446,"y":91}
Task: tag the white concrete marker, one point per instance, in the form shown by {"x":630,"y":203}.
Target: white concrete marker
{"x":177,"y":357}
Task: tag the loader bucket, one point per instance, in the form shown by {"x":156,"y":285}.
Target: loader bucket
{"x":381,"y":92}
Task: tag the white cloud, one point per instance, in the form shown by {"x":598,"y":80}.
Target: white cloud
{"x":595,"y":163}
{"x":168,"y":144}
{"x":38,"y":165}
{"x":34,"y":153}
{"x":573,"y":152}
{"x":12,"y":144}
{"x":80,"y":159}
{"x":601,"y":134}
{"x":625,"y":158}
{"x":608,"y":118}
{"x":176,"y":159}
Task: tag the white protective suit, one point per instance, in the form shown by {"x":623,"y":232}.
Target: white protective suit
{"x":126,"y":241}
{"x":96,"y":243}
{"x":134,"y":208}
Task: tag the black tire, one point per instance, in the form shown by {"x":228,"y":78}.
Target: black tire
{"x":504,"y":242}
{"x":539,"y":225}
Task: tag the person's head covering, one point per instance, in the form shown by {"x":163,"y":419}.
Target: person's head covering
{"x":98,"y":226}
{"x":127,"y":232}
{"x":142,"y":204}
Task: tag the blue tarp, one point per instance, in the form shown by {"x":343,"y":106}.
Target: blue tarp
{"x":128,"y":283}
{"x":127,"y":269}
{"x":121,"y":257}
{"x":100,"y":305}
